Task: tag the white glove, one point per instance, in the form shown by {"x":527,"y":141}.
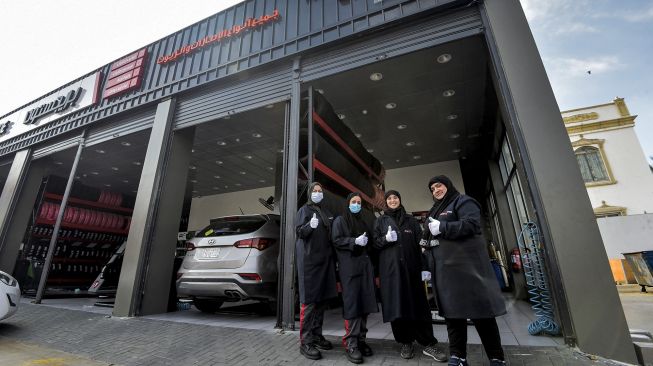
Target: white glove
{"x":391,"y":235}
{"x":423,"y":243}
{"x":314,"y":221}
{"x":434,"y":226}
{"x":426,"y":276}
{"x":361,"y":240}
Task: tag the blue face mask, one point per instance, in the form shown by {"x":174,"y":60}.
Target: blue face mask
{"x":316,"y":197}
{"x":355,"y":207}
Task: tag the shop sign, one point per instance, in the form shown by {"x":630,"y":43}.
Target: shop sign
{"x":250,"y":23}
{"x":72,"y":98}
{"x":126,"y":74}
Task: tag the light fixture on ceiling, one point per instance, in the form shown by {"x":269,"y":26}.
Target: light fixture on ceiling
{"x":359,"y":135}
{"x":125,"y":181}
{"x":192,"y":150}
{"x":463,"y":157}
{"x":114,"y":168}
{"x":444,"y":58}
{"x":456,"y":151}
{"x":248,"y":157}
{"x":402,"y":127}
{"x":242,"y":172}
{"x":99,"y":151}
{"x":226,"y":117}
{"x":270,"y":168}
{"x":261,"y":180}
{"x":95,"y":173}
{"x":125,"y":143}
{"x":454,"y":136}
{"x":237,"y":139}
{"x":397,"y":160}
{"x":193,"y":181}
{"x":473,"y":135}
{"x":377,"y":76}
{"x":280,"y":151}
{"x":364,"y":111}
{"x":58,"y":163}
{"x":391,"y":105}
{"x":448,"y":93}
{"x":269,"y":106}
{"x":417,"y":157}
{"x":194,"y":191}
{"x":192,"y":167}
{"x":238,"y":184}
{"x":221,"y":143}
{"x":319,"y":91}
{"x":216,"y":188}
{"x":77,"y":177}
{"x":136,"y":163}
{"x":370,"y":150}
{"x":217,"y":177}
{"x":219,"y":162}
{"x":341,"y":116}
{"x":107,"y":185}
{"x":256,"y":135}
{"x":226,"y":186}
{"x":451,"y":117}
{"x":410,"y":143}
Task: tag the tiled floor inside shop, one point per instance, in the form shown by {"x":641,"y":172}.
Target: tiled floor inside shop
{"x":513,"y":326}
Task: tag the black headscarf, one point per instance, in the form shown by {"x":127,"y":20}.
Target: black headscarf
{"x":356,"y":224}
{"x":398,"y":214}
{"x":441,"y":205}
{"x":316,"y":206}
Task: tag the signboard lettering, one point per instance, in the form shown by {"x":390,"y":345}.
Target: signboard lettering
{"x":58,"y":105}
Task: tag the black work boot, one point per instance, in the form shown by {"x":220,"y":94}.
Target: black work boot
{"x":309,"y":351}
{"x":354,"y":355}
{"x":365,"y":349}
{"x":323,"y":344}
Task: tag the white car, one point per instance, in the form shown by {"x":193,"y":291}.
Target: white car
{"x":9,"y":295}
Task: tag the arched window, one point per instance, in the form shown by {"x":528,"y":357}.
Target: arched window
{"x":591,"y":164}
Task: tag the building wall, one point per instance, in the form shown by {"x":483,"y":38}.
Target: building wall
{"x":626,"y":234}
{"x":411,"y":183}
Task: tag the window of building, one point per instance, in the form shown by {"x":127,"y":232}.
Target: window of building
{"x":591,"y":162}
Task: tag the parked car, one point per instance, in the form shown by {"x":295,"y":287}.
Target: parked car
{"x":9,"y":295}
{"x":232,"y":259}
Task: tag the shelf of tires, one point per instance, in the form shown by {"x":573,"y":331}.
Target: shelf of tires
{"x":91,"y":231}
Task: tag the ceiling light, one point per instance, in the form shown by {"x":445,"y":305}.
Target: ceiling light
{"x":319,"y":91}
{"x":417,"y":157}
{"x":454,"y":136}
{"x":107,"y":185}
{"x":261,"y":180}
{"x":444,"y":58}
{"x":341,"y":116}
{"x":100,"y":151}
{"x":376,"y":76}
{"x":194,"y":191}
{"x":58,"y":163}
{"x":269,"y":106}
{"x":280,"y":151}
{"x":95,"y":173}
{"x":270,"y":168}
{"x":193,"y":181}
{"x":359,"y":135}
{"x":192,"y":167}
{"x":402,"y":127}
{"x":114,"y":168}
{"x":219,"y":162}
{"x":448,"y":93}
{"x":391,"y":106}
{"x":237,"y":139}
{"x":364,"y":111}
{"x":77,"y":177}
{"x":456,"y":151}
{"x":410,"y":143}
{"x":248,"y":157}
{"x":217,"y":177}
{"x":370,"y":150}
{"x":125,"y":181}
{"x":226,"y":186}
{"x":451,"y":117}
{"x":238,"y":184}
{"x":463,"y":157}
{"x":192,"y":150}
{"x":221,"y":143}
{"x":226,"y":117}
{"x":242,"y":173}
{"x":256,"y":135}
{"x":137,"y":163}
{"x":473,"y":135}
{"x":216,"y":188}
{"x":397,"y":160}
{"x":125,"y":143}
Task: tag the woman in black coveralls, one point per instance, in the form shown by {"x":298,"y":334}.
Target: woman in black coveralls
{"x":465,"y":284}
{"x":315,"y":271}
{"x":396,"y":236}
{"x":350,"y":235}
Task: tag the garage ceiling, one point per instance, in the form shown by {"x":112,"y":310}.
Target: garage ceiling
{"x":437,"y":115}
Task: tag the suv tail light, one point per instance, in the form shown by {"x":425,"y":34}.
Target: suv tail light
{"x":256,"y":243}
{"x":190,"y":246}
{"x":250,"y":276}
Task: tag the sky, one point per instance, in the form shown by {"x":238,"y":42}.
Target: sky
{"x":45,"y":44}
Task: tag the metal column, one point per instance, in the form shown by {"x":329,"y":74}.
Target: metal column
{"x":289,"y":202}
{"x":588,"y":309}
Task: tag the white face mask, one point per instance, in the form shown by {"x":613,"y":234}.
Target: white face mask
{"x":316,"y":197}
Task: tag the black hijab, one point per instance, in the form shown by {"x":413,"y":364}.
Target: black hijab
{"x":398,"y":214}
{"x":316,"y":206}
{"x":440,"y":205}
{"x":356,"y":224}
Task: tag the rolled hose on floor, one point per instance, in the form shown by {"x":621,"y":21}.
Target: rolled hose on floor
{"x":530,"y":248}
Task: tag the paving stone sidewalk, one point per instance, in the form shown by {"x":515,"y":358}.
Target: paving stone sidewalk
{"x":137,"y":341}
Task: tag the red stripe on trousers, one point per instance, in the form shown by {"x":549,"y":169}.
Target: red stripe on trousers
{"x":347,"y":330}
{"x":301,"y":323}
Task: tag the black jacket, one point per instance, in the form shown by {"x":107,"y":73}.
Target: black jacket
{"x":356,"y":272}
{"x":315,"y":263}
{"x":403,"y":294}
{"x":465,"y":284}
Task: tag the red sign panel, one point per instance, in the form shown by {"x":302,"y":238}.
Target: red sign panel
{"x":126,"y":74}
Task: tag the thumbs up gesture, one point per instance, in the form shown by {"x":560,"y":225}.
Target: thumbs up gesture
{"x":434,"y":226}
{"x":361,"y":240}
{"x":314,"y":221}
{"x":391,"y":235}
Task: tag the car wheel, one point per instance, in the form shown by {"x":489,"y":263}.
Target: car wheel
{"x":207,"y":305}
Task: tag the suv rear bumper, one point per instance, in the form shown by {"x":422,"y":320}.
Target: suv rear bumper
{"x":226,"y":288}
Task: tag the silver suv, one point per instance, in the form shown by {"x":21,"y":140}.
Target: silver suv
{"x":232,"y":259}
